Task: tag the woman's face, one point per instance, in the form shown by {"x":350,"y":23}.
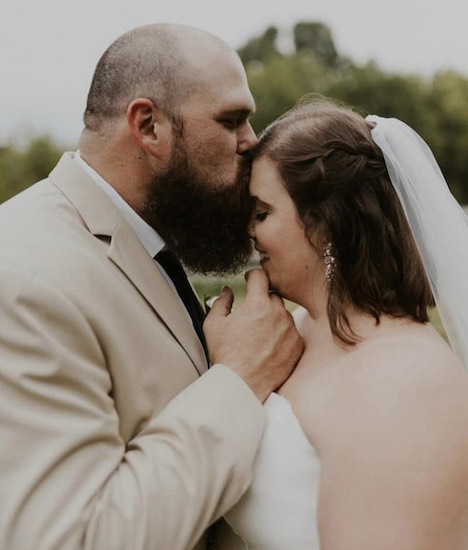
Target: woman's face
{"x":286,"y":255}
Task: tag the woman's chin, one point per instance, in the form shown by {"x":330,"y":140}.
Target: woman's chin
{"x":275,"y":287}
{"x":282,"y":290}
{"x":275,"y":282}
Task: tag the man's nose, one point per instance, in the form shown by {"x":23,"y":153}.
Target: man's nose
{"x":246,"y":139}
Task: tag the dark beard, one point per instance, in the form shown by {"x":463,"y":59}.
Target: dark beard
{"x":204,"y":224}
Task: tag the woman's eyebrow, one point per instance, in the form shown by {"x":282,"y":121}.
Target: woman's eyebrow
{"x":260,"y":202}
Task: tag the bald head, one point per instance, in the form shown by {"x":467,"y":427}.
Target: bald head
{"x":159,"y":62}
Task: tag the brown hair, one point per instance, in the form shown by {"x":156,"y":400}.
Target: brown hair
{"x":337,"y":179}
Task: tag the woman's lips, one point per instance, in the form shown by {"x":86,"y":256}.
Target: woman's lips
{"x":263,"y":257}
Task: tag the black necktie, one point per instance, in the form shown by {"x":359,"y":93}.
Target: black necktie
{"x":168,"y":260}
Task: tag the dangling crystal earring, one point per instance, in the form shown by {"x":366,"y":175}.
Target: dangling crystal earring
{"x":330,"y":262}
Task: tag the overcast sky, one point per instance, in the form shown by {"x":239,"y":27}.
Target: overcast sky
{"x":49,"y":48}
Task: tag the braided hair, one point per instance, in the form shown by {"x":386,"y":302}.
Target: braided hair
{"x":336,"y":176}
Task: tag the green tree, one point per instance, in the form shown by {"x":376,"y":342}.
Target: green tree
{"x":40,"y":157}
{"x":279,"y":83}
{"x":316,"y":37}
{"x":261,"y":48}
{"x":449,"y":95}
{"x":437,"y":108}
{"x":20,"y":169}
{"x":11,"y":173}
{"x":373,"y":91}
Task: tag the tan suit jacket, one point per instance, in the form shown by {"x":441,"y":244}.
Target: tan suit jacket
{"x":112,"y":433}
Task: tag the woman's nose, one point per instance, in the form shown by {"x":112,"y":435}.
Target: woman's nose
{"x":251,"y":230}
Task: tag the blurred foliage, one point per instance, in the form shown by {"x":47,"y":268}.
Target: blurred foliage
{"x":210,"y":287}
{"x":317,"y":38}
{"x":436,"y":107}
{"x":21,"y":168}
{"x":262,"y":47}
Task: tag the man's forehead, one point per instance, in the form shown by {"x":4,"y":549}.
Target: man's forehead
{"x":220,"y":83}
{"x":233,"y":97}
{"x":223,"y":99}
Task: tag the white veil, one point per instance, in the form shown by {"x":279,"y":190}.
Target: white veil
{"x":438,"y":223}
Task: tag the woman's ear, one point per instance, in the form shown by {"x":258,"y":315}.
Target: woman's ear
{"x":150,"y":127}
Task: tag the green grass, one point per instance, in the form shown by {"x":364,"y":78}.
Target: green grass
{"x":210,"y":287}
{"x":437,"y":323}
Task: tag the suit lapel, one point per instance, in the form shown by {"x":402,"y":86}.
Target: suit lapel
{"x":104,"y":220}
{"x":129,"y":255}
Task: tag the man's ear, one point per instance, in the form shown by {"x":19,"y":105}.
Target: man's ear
{"x":150,"y":128}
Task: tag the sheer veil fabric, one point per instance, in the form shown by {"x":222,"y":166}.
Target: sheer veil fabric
{"x":438,"y":223}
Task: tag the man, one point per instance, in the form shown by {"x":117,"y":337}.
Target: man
{"x":114,"y":433}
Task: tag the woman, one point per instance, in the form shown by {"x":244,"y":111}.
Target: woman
{"x":366,"y":446}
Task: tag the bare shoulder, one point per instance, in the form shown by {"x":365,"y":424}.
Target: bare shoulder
{"x":402,"y":406}
{"x":396,"y":433}
{"x":403,"y":381}
{"x":406,"y":372}
{"x":413,"y":357}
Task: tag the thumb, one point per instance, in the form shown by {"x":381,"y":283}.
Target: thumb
{"x":222,"y":305}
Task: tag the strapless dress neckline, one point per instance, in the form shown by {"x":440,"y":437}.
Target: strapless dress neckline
{"x":279,"y":510}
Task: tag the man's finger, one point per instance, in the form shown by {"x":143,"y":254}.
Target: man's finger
{"x":276,"y":298}
{"x":257,"y":283}
{"x":222,"y":306}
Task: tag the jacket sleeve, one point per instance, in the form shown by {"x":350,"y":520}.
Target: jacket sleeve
{"x":68,"y":478}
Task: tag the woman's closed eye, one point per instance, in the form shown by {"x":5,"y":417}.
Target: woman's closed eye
{"x":261,"y":216}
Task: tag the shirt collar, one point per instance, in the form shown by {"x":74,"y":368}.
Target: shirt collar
{"x":149,"y":238}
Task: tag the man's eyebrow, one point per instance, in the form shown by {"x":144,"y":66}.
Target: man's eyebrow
{"x":238,"y":112}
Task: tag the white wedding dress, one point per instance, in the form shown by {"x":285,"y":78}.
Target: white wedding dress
{"x":279,"y":511}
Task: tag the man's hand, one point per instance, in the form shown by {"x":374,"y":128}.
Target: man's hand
{"x":258,"y":340}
